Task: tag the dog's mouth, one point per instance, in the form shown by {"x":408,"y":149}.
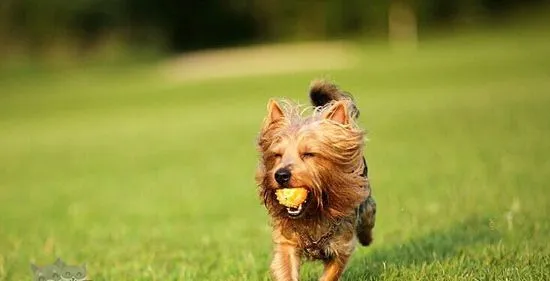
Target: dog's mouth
{"x":296,"y":212}
{"x":294,"y":199}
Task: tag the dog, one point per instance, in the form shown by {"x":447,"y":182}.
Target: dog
{"x":323,"y":153}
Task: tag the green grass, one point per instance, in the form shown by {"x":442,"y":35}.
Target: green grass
{"x":144,"y":179}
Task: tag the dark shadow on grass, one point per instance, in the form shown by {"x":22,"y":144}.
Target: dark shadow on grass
{"x":434,"y":246}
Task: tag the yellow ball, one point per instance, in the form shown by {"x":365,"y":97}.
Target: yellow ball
{"x":291,"y":197}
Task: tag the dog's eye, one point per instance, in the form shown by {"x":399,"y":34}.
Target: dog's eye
{"x":307,"y":155}
{"x":277,"y":155}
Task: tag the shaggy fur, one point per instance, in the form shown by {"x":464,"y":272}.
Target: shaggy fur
{"x":323,"y":151}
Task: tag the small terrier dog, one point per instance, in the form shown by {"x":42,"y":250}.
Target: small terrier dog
{"x":323,"y":153}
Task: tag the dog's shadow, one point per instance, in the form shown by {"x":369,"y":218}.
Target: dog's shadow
{"x":429,"y":248}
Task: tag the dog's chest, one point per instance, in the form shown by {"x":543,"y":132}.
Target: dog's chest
{"x":325,"y":243}
{"x":318,"y":251}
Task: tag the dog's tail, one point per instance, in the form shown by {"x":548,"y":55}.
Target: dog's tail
{"x":322,"y":92}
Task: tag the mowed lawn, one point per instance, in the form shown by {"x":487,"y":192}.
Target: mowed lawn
{"x":146,"y":179}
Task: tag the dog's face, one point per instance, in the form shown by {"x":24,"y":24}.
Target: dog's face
{"x":321,"y":153}
{"x":293,"y":160}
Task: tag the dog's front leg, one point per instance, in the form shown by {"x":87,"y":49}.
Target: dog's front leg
{"x":286,"y":263}
{"x":334,"y":268}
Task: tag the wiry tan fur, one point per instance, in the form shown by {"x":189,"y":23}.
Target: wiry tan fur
{"x":324,"y":151}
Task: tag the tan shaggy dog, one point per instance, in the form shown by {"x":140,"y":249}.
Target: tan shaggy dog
{"x":323,"y":153}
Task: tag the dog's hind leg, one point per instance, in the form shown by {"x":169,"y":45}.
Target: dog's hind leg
{"x":366,"y":217}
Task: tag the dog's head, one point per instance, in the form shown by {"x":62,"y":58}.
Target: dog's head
{"x":322,"y":152}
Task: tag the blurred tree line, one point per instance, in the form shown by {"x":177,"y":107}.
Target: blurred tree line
{"x":178,"y":25}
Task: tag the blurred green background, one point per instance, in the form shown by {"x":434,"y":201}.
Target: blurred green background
{"x":74,"y":30}
{"x":127,"y":133}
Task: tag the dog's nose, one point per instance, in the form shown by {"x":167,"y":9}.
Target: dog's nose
{"x":282,"y":176}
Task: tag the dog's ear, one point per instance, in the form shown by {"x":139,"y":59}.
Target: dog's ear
{"x":338,"y":112}
{"x":274,"y":111}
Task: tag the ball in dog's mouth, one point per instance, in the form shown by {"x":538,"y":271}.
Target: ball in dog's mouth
{"x":294,"y":199}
